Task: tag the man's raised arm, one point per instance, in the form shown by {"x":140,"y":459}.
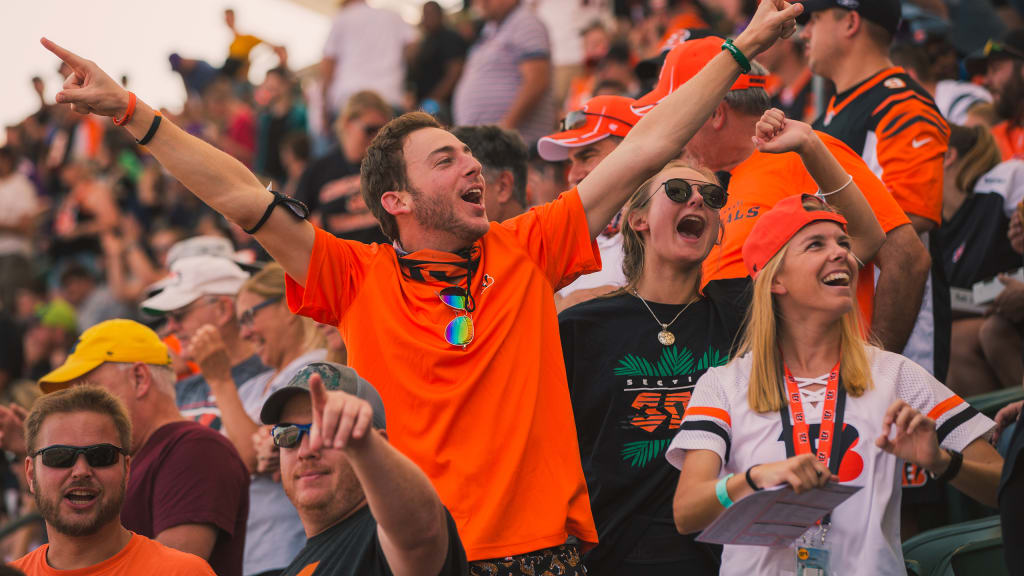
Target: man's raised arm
{"x":216,"y":178}
{"x":661,"y":135}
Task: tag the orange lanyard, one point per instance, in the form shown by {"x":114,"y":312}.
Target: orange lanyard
{"x":801,"y":431}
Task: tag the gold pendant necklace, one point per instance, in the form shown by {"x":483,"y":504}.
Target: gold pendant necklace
{"x":665,"y":337}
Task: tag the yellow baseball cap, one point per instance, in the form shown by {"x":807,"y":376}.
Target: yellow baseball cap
{"x":111,"y":341}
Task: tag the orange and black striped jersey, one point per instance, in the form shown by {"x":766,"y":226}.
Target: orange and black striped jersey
{"x":893,"y":123}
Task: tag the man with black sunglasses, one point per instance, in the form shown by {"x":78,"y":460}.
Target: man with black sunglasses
{"x":77,"y":470}
{"x":456,"y":372}
{"x":366,"y":508}
{"x":189,"y":488}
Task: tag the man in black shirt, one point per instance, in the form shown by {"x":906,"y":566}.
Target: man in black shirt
{"x":366,"y":508}
{"x":438,"y":62}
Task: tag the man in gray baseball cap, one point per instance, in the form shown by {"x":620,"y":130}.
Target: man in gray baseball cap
{"x":366,"y":508}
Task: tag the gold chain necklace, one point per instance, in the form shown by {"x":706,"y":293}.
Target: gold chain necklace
{"x":665,"y":337}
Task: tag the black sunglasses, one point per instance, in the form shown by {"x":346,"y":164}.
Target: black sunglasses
{"x":578,"y":119}
{"x":97,"y":455}
{"x":289,"y":435}
{"x":246,"y":317}
{"x":680,"y":189}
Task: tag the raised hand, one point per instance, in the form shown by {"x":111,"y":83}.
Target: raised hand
{"x":1007,"y":415}
{"x":89,"y":90}
{"x":910,"y":435}
{"x":209,"y":351}
{"x":340,"y":420}
{"x":802,"y":473}
{"x":776,"y":134}
{"x":773,"y":19}
{"x":12,"y":429}
{"x":268,"y":455}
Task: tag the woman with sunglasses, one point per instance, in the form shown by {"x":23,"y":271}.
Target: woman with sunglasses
{"x":806,"y":401}
{"x":285,"y":342}
{"x":632,"y":358}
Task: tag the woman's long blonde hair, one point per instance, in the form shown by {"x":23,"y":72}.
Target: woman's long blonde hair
{"x":767,"y":391}
{"x":269,"y":283}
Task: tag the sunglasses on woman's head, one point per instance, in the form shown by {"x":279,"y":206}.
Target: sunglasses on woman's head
{"x":96,"y":455}
{"x":459,"y":331}
{"x":289,"y":435}
{"x":680,"y":189}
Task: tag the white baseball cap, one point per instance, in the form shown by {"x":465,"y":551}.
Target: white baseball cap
{"x":193,"y":277}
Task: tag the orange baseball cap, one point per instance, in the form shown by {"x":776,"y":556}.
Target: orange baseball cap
{"x":777,"y":226}
{"x":600,"y":117}
{"x":682,"y":63}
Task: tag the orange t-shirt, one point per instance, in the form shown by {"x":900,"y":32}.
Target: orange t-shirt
{"x":140,"y":556}
{"x":763,"y":179}
{"x":1010,"y":140}
{"x":491,"y":425}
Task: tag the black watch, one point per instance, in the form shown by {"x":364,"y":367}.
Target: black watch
{"x":956,"y":460}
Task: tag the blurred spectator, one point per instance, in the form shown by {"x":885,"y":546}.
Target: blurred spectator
{"x":296,"y":154}
{"x":79,"y":440}
{"x":284,"y":342}
{"x":17,"y":223}
{"x":365,"y":493}
{"x":507,"y":80}
{"x":230,"y":124}
{"x":1004,"y":76}
{"x":93,"y":301}
{"x":196,"y":75}
{"x":789,"y":84}
{"x":503,"y":156}
{"x":201,"y":292}
{"x":545,"y":180}
{"x":954,"y":99}
{"x":596,"y":41}
{"x":330,"y":185}
{"x":983,"y":114}
{"x":366,"y":49}
{"x":566,"y":23}
{"x":281,"y":116}
{"x":975,"y":247}
{"x":188,"y":489}
{"x":86,"y":211}
{"x":437,"y":64}
{"x":617,"y":68}
{"x":236,"y":65}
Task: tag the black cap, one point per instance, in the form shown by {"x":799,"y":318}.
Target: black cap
{"x":335,"y":377}
{"x":1010,"y":46}
{"x":885,"y":13}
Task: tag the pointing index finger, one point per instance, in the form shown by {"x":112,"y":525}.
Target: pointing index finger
{"x":72,"y":59}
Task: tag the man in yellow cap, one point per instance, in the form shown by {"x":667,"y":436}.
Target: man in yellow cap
{"x":188,"y":488}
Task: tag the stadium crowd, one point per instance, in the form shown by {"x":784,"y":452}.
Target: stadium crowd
{"x":423,"y":308}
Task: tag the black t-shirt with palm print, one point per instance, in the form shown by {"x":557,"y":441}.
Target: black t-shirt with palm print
{"x":628,"y":396}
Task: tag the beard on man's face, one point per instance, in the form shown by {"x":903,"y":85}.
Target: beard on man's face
{"x":71,"y":524}
{"x":1010,"y":100}
{"x":435,"y":213}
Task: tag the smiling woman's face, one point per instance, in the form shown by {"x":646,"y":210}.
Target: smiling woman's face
{"x":818,"y":272}
{"x":676,"y":233}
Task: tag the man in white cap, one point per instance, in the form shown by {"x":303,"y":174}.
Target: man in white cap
{"x":201,"y":291}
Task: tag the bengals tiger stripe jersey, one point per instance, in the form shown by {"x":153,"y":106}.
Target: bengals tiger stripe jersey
{"x":893,"y":123}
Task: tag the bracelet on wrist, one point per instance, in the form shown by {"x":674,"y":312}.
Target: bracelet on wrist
{"x":821,"y":194}
{"x":956,"y":461}
{"x":128,"y":113}
{"x":152,"y":129}
{"x":750,"y":481}
{"x":737,"y":55}
{"x":722,"y":492}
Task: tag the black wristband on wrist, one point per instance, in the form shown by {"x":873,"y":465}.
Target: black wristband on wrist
{"x":956,"y":460}
{"x":750,"y":480}
{"x":152,"y":130}
{"x":297,"y":208}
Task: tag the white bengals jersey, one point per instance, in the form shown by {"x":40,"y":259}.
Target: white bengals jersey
{"x":864,"y":537}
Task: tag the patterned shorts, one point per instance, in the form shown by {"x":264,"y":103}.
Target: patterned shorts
{"x":561,"y":560}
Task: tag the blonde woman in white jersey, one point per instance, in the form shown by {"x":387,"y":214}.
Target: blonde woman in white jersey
{"x":877,"y":408}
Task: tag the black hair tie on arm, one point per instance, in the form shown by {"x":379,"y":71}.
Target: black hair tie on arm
{"x":297,"y":208}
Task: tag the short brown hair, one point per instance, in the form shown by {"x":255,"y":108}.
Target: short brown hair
{"x":362,"y":101}
{"x":383,"y":167}
{"x":78,"y":399}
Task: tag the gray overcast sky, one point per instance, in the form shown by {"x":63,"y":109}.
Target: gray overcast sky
{"x":134,"y":37}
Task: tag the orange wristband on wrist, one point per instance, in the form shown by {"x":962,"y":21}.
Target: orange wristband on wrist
{"x":128,"y":113}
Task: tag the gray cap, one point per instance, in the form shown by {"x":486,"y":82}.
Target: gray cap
{"x":335,"y":377}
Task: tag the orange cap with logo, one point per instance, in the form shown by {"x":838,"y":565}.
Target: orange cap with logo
{"x":600,"y":117}
{"x":777,"y":226}
{"x":683,"y":62}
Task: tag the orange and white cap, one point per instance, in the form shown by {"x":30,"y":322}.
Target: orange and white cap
{"x":683,"y":62}
{"x":600,"y":117}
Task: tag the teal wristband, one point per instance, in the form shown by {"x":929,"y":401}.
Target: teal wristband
{"x":737,"y":55}
{"x":723,"y":493}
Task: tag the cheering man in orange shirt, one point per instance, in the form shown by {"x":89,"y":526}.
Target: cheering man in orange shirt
{"x":455,"y":322}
